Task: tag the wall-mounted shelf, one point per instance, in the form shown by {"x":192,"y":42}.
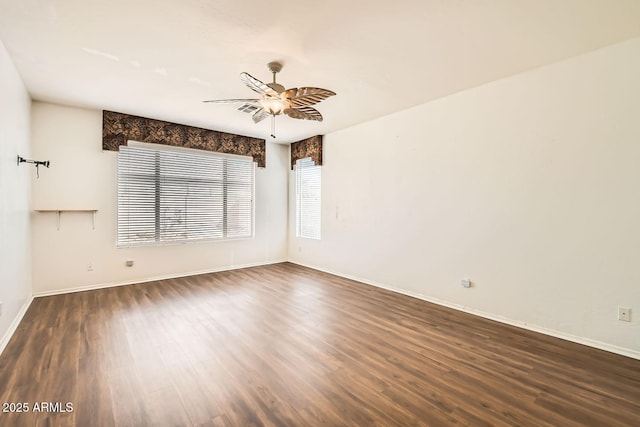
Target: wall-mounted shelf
{"x":59,"y":212}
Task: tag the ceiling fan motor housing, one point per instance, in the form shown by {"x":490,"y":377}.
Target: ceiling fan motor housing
{"x":277,"y":87}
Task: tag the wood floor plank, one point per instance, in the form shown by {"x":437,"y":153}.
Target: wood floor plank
{"x":284,"y":345}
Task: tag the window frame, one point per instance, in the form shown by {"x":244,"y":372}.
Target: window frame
{"x":158,"y":241}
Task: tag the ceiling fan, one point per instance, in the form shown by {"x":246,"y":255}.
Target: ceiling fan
{"x":275,"y":99}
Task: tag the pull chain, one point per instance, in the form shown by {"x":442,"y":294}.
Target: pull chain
{"x":273,"y":126}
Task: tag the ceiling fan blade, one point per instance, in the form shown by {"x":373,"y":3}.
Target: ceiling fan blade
{"x":305,"y":96}
{"x":259,"y":115}
{"x":305,"y":113}
{"x":232,"y":101}
{"x":256,"y":85}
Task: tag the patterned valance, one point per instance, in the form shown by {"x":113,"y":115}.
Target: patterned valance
{"x":310,"y":147}
{"x":118,"y":128}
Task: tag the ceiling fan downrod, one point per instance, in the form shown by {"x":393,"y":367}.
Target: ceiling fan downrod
{"x":275,"y":68}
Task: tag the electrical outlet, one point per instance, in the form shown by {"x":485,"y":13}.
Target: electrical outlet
{"x":624,"y":314}
{"x":90,"y":266}
{"x":466,"y":283}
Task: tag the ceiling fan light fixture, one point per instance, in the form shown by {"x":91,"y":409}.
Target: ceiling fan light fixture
{"x":272,"y":106}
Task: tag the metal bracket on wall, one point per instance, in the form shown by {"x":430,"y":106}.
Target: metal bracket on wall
{"x":38,"y":163}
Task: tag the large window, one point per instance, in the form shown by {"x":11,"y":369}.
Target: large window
{"x":308,"y":199}
{"x":167,"y":196}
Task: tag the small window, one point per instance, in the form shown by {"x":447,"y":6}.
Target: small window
{"x":170,"y":196}
{"x":308,"y":190}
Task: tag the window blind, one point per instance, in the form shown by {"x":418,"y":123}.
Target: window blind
{"x":308,"y":192}
{"x":169,"y":196}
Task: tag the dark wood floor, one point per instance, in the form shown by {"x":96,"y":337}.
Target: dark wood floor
{"x":283,"y":345}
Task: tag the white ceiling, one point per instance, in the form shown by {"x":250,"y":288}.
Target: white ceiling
{"x":161,"y":58}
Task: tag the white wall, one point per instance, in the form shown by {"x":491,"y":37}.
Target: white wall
{"x":83,"y":176}
{"x":15,"y":267}
{"x":529,"y":186}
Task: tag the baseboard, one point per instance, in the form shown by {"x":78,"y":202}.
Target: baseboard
{"x":151,"y":279}
{"x":524,"y":325}
{"x":14,"y":325}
